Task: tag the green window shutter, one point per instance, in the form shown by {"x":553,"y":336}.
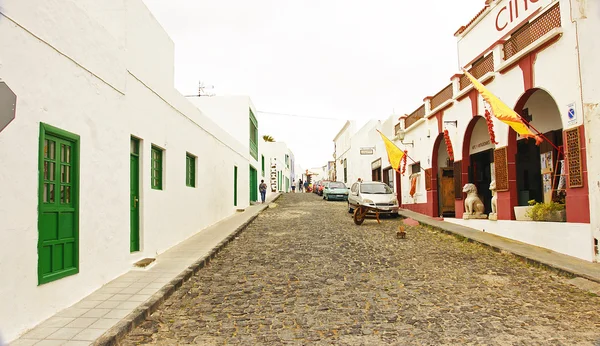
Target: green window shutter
{"x":58,"y":211}
{"x":253,"y":136}
{"x":156,"y":168}
{"x":190,"y":170}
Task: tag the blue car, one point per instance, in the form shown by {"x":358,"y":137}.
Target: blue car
{"x":335,"y":190}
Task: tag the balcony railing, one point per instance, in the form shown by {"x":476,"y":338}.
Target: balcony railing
{"x":532,"y":31}
{"x":479,"y":68}
{"x":441,"y":97}
{"x":415,"y":116}
{"x":396,"y":128}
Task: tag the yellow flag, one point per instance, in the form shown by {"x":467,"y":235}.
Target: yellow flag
{"x":395,"y":154}
{"x":503,"y":112}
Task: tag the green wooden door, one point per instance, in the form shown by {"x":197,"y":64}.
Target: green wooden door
{"x":134,"y":191}
{"x":235,"y":185}
{"x":253,"y":184}
{"x":58,"y":219}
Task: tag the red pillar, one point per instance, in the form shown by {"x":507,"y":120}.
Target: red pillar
{"x":577,"y":200}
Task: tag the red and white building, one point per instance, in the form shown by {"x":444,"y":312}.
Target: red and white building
{"x":539,"y":57}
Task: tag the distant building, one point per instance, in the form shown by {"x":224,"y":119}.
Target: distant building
{"x":278,"y":166}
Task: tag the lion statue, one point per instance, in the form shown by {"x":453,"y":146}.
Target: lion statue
{"x":474,"y":207}
{"x":494,"y":197}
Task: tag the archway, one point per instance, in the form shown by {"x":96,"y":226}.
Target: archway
{"x":442,"y":180}
{"x":478,"y":159}
{"x":535,"y":170}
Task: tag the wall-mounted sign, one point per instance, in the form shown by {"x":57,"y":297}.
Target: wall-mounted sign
{"x":571,"y":114}
{"x":8,"y":105}
{"x":376,"y":164}
{"x":366,"y":151}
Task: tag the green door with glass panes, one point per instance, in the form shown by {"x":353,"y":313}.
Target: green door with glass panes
{"x":58,"y":218}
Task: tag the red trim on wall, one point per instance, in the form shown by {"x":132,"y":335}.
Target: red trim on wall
{"x":459,"y":208}
{"x":398,"y":187}
{"x":434,"y":169}
{"x":526,"y":65}
{"x":578,"y":200}
{"x":421,"y":208}
{"x":507,"y":200}
{"x":473,"y":95}
{"x":440,"y":117}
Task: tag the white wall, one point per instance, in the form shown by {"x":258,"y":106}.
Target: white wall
{"x":274,"y":152}
{"x":342,"y":147}
{"x":573,"y":240}
{"x":104,"y":108}
{"x":586,"y":14}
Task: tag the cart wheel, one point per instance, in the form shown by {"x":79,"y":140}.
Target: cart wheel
{"x":359,"y":216}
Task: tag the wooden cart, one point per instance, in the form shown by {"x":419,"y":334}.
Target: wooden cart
{"x":360,"y":214}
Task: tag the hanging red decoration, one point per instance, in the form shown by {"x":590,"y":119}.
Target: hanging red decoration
{"x":404,"y":161}
{"x":448,"y":145}
{"x":490,"y":125}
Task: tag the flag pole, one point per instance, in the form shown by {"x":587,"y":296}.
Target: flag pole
{"x":404,"y":152}
{"x":539,"y":133}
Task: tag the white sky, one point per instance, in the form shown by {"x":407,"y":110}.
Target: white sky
{"x":340,"y":59}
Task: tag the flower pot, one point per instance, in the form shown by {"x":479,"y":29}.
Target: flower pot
{"x":521,"y":212}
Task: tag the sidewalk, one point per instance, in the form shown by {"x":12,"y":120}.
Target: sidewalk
{"x":533,"y":254}
{"x":110,"y":312}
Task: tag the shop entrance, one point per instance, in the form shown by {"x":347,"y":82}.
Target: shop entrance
{"x":480,"y":174}
{"x":481,"y":162}
{"x":444,"y":169}
{"x":376,"y":170}
{"x":537,"y":167}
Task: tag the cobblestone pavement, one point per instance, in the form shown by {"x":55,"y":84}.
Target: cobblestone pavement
{"x":303,"y":273}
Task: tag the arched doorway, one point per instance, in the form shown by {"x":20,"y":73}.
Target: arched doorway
{"x":536,"y":167}
{"x":442,"y":182}
{"x":478,"y":159}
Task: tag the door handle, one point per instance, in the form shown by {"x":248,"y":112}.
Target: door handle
{"x":135,"y":201}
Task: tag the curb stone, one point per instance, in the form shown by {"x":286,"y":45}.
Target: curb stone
{"x":118,"y":332}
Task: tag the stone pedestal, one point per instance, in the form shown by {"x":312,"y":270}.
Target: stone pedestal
{"x":493,"y":217}
{"x":474,"y":216}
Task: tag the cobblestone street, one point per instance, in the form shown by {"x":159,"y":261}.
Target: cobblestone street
{"x":303,"y":273}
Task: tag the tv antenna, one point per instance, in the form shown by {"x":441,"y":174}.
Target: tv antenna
{"x":202,"y":90}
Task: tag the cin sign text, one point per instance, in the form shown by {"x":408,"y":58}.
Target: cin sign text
{"x":511,"y":12}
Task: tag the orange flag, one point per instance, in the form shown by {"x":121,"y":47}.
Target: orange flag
{"x":395,"y":154}
{"x":503,"y":112}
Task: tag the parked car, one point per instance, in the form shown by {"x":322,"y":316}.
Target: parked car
{"x":374,"y":194}
{"x":335,"y":190}
{"x":321,"y":186}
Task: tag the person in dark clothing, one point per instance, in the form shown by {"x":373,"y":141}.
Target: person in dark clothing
{"x":263,"y":190}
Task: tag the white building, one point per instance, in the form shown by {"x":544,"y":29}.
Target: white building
{"x":540,"y":58}
{"x":236,"y":115}
{"x":278,"y":166}
{"x":94,"y":83}
{"x":356,"y":154}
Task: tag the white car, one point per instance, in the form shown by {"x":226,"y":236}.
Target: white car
{"x":373,"y":194}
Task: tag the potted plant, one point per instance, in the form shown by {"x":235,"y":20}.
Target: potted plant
{"x":551,"y":211}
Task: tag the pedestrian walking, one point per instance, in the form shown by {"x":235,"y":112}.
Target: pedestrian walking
{"x":300,"y":186}
{"x":306,"y":186}
{"x":263,"y":190}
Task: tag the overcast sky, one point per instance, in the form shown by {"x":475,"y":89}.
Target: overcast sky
{"x":335,"y":59}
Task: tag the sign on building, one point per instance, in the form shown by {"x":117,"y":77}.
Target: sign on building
{"x":8,"y":105}
{"x":571,"y":114}
{"x":366,"y":151}
{"x":273,"y":175}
